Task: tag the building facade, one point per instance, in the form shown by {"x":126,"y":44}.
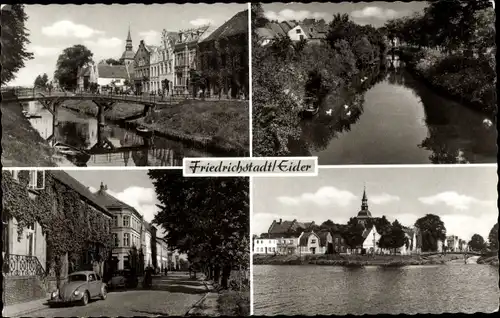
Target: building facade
{"x":265,"y":246}
{"x":141,"y":68}
{"x":155,"y":63}
{"x":309,"y":243}
{"x":168,"y":40}
{"x":185,"y":49}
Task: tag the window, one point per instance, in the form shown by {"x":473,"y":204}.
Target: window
{"x":126,"y":239}
{"x":115,"y":220}
{"x":91,"y":277}
{"x":313,"y":241}
{"x":115,"y":239}
{"x":291,"y":241}
{"x":15,"y":175}
{"x":337,"y":240}
{"x":298,"y":31}
{"x":301,"y":37}
{"x":126,"y":221}
{"x":98,"y":277}
{"x":37,"y":179}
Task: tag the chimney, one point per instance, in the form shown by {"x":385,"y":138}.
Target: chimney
{"x":281,"y":221}
{"x":180,"y":36}
{"x":103,"y":187}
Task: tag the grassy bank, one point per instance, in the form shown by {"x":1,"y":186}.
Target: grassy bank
{"x":234,"y":303}
{"x":22,"y":146}
{"x":217,"y":125}
{"x":468,"y":80}
{"x":489,"y":260}
{"x":354,"y":260}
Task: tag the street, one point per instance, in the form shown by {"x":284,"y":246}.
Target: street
{"x":170,"y":296}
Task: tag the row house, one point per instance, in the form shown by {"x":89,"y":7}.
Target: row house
{"x":167,"y":61}
{"x":311,"y":30}
{"x":185,"y":49}
{"x":265,"y":246}
{"x":155,"y":62}
{"x":223,"y":58}
{"x":129,"y":229}
{"x":28,"y":274}
{"x":142,"y":68}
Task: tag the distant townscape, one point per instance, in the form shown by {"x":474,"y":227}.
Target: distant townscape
{"x":363,"y":234}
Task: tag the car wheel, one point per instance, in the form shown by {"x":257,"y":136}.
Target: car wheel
{"x":104,"y":293}
{"x":85,"y":299}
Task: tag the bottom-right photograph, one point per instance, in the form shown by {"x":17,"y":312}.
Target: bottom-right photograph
{"x":376,"y":240}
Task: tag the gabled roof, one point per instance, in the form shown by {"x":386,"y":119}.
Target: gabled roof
{"x":112,"y":71}
{"x":265,"y":33}
{"x":110,"y":202}
{"x":82,"y":190}
{"x":367,"y":231}
{"x":238,"y":24}
{"x":280,"y":227}
{"x":305,"y":236}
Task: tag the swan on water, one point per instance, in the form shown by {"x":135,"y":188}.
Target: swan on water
{"x":346,"y":107}
{"x":329,"y":112}
{"x":488,"y":123}
{"x":348,"y":113}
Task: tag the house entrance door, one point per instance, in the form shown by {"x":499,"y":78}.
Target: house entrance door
{"x":313,"y":250}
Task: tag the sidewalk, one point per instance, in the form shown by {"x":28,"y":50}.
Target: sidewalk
{"x":23,"y":309}
{"x":208,"y":305}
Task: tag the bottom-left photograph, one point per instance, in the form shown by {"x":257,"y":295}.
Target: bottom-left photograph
{"x":124,"y":243}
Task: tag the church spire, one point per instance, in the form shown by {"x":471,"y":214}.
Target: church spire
{"x":364,"y":201}
{"x":128,"y":45}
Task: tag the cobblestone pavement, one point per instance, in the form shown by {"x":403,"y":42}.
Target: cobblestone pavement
{"x":173,"y":296}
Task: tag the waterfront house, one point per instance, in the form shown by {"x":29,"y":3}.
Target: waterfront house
{"x":185,"y":50}
{"x":110,"y":76}
{"x":288,"y":245}
{"x":325,"y":242}
{"x":411,"y":246}
{"x":453,"y":243}
{"x":28,"y":272}
{"x":309,"y":243}
{"x":223,"y":58}
{"x":166,"y":76}
{"x":155,"y":61}
{"x":315,"y":30}
{"x":371,"y":238}
{"x":339,"y":245}
{"x":264,"y":245}
{"x":141,"y":68}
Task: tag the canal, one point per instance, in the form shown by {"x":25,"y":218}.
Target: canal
{"x":116,"y":146}
{"x":335,"y":290}
{"x":396,"y":119}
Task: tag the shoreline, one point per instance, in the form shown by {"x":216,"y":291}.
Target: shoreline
{"x":215,"y":144}
{"x":356,"y":260}
{"x":443,"y":91}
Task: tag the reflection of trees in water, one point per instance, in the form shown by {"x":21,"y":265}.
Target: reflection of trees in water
{"x":75,"y":134}
{"x":318,"y":133}
{"x":456,"y":133}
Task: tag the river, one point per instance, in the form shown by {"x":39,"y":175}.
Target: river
{"x":397,"y":119}
{"x":123,"y":147}
{"x":335,"y":290}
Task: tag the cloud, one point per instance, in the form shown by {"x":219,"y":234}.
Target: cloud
{"x":289,"y":14}
{"x":104,"y":42}
{"x":66,"y":28}
{"x":42,"y":51}
{"x":142,"y":199}
{"x":375,"y":12}
{"x":454,"y":200}
{"x":150,"y":37}
{"x":383,"y":198}
{"x":200,"y":22}
{"x":325,"y":196}
{"x":103,"y":48}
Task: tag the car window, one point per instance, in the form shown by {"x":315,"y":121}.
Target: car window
{"x":77,"y":278}
{"x":98,"y":277}
{"x":91,"y":277}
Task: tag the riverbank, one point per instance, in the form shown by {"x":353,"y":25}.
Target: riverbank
{"x":470,"y":81}
{"x":489,"y":260}
{"x":354,"y":260}
{"x":217,"y":126}
{"x":22,"y":145}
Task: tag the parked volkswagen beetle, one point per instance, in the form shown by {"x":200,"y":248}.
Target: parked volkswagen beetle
{"x":81,"y":287}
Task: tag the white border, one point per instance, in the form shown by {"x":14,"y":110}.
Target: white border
{"x":250,"y":194}
{"x":250,"y":103}
{"x":398,"y":166}
{"x":105,"y":168}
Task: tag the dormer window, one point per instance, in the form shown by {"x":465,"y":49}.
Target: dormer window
{"x":298,"y":31}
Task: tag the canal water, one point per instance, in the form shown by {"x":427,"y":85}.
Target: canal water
{"x":335,"y":290}
{"x":123,"y":147}
{"x":397,"y":119}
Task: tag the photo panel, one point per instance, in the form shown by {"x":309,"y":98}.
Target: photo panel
{"x":124,"y":243}
{"x":147,"y":88}
{"x":375,"y":82}
{"x":376,"y":240}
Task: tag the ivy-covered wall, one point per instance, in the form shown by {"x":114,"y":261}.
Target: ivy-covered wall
{"x":70,"y":224}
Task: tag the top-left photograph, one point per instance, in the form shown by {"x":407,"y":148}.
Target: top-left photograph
{"x":123,"y":85}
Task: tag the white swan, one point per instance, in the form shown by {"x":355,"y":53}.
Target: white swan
{"x":348,"y":113}
{"x":346,"y":107}
{"x":488,"y":123}
{"x":329,"y":112}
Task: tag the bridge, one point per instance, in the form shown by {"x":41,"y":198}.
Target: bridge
{"x":469,"y":253}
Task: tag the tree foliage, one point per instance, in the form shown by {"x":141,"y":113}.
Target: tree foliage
{"x":112,"y":61}
{"x":68,"y":64}
{"x":493,"y":238}
{"x":353,"y":234}
{"x":477,"y":243}
{"x":41,"y":81}
{"x":14,"y":42}
{"x":207,"y":218}
{"x":432,"y":229}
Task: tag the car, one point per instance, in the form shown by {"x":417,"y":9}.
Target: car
{"x":80,"y":288}
{"x":123,"y":278}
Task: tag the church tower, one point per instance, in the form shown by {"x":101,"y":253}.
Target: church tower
{"x":364,"y":214}
{"x":129,"y":54}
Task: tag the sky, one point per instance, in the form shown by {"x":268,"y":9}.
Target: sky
{"x":133,"y":187}
{"x":465,"y":198}
{"x":103,"y":29}
{"x":375,"y":13}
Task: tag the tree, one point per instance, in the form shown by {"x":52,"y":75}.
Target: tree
{"x":68,"y":64}
{"x":477,"y":243}
{"x":353,"y":234}
{"x":493,"y":238}
{"x":397,"y":234}
{"x":42,"y":81}
{"x":112,"y":61}
{"x":207,"y":218}
{"x":258,"y":18}
{"x":432,"y":229}
{"x":14,"y":41}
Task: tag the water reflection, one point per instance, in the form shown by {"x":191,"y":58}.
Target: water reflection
{"x":396,"y":119}
{"x":108,"y":146}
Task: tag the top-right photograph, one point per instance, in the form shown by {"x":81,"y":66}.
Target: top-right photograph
{"x":375,"y":82}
